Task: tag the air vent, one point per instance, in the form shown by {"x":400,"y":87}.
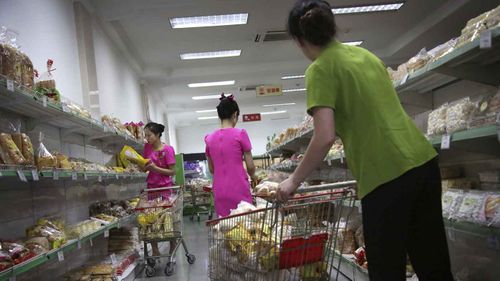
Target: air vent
{"x":248,"y":88}
{"x":271,"y":36}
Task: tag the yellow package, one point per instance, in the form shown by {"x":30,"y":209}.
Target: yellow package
{"x":314,"y":270}
{"x":238,"y":238}
{"x":128,"y":154}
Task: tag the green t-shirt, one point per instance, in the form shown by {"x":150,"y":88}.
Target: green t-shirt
{"x":381,"y":141}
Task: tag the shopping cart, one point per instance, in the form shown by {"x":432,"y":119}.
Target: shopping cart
{"x":292,"y":241}
{"x":161,"y":221}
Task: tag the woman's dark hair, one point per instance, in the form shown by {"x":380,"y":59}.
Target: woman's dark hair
{"x":227,"y":107}
{"x":155,"y":128}
{"x":313,"y":21}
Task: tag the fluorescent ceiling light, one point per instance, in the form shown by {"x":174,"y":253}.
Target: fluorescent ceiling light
{"x":273,"y":112}
{"x":288,"y":77}
{"x":208,"y":97}
{"x":209,"y":21}
{"x":279,"y":104}
{"x":368,"y":8}
{"x":294,"y":90}
{"x":206,"y":111}
{"x":211,"y":55}
{"x":353,"y":43}
{"x":207,"y":117}
{"x":211,"y":84}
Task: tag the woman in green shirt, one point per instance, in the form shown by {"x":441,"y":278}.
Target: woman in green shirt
{"x":350,"y":94}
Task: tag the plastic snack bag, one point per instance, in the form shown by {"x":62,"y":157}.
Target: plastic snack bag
{"x":418,"y":61}
{"x":27,"y":149}
{"x":10,"y":152}
{"x":459,"y":114}
{"x":436,"y":124}
{"x":128,"y":154}
{"x":44,"y":158}
{"x":46,"y":85}
{"x":451,"y":200}
{"x":470,"y":207}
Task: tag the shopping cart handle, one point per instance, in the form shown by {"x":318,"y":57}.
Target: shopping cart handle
{"x":322,"y":187}
{"x":162,"y":189}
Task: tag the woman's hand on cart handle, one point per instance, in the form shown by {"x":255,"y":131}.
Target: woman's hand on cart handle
{"x":286,"y":189}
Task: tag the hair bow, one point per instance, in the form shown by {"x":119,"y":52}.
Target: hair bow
{"x":231,"y":97}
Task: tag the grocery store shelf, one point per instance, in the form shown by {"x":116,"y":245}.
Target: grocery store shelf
{"x":475,"y":133}
{"x":472,"y":228}
{"x":334,"y":161}
{"x":31,"y":174}
{"x":41,"y":111}
{"x":292,"y":145}
{"x":54,"y":254}
{"x":468,"y":62}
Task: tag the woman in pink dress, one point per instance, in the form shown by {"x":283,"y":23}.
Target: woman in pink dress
{"x":225,"y":149}
{"x":161,"y":168}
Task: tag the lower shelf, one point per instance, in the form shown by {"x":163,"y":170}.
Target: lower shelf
{"x":57,"y":254}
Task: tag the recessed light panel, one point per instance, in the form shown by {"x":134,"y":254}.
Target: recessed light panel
{"x":211,"y":84}
{"x":211,"y":55}
{"x":209,"y":21}
{"x":368,"y":8}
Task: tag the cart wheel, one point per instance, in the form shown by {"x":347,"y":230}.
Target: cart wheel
{"x":169,"y":269}
{"x":151,"y":262}
{"x":150,"y":271}
{"x":191,"y":258}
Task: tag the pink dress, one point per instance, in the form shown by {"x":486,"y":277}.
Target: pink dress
{"x":226,"y":147}
{"x":162,"y":159}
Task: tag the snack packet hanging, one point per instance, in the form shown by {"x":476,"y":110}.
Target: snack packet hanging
{"x":9,"y":151}
{"x":128,"y":154}
{"x":44,"y":158}
{"x":46,"y":85}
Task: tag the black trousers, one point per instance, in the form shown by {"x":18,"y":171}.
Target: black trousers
{"x":404,"y":216}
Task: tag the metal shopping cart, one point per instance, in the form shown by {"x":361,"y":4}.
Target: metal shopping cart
{"x":160,"y":221}
{"x":285,"y":242}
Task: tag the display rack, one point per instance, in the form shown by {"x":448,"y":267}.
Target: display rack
{"x":293,"y":144}
{"x":32,"y":174}
{"x":55,"y":254}
{"x":39,"y":110}
{"x":468,"y":62}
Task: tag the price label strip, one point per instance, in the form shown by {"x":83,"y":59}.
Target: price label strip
{"x":485,"y":39}
{"x":114,"y":261}
{"x":79,"y":245}
{"x":85,"y":177}
{"x":22,"y":176}
{"x":74,"y":176}
{"x":10,"y":85}
{"x":106,"y":234}
{"x":99,"y":178}
{"x":55,"y":175}
{"x":44,"y":101}
{"x":445,"y":142}
{"x":60,"y":256}
{"x":34,"y":175}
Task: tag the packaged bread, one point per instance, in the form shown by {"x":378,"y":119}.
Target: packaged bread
{"x":470,"y":208}
{"x":46,"y":85}
{"x":451,"y":201}
{"x":418,"y":61}
{"x":436,"y":124}
{"x":10,"y":152}
{"x":62,"y":161}
{"x":9,"y":57}
{"x":44,"y":159}
{"x":458,"y":115}
{"x":27,"y":149}
{"x":27,"y":75}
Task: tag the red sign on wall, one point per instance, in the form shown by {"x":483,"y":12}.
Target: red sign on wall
{"x":252,"y":117}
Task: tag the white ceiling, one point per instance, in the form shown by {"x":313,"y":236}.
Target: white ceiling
{"x":143,"y":27}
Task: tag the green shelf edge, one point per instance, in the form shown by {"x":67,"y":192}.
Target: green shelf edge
{"x":475,"y":133}
{"x":472,"y":228}
{"x":52,"y":255}
{"x":427,"y":70}
{"x":66,"y":174}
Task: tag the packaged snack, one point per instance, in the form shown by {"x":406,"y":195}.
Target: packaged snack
{"x":346,"y":243}
{"x":27,"y":149}
{"x":459,"y":114}
{"x":443,"y":49}
{"x":451,"y":201}
{"x":5,"y":261}
{"x":470,"y":207}
{"x":489,"y":209}
{"x":418,"y":61}
{"x":10,"y":152}
{"x":461,"y":183}
{"x":10,"y":57}
{"x":38,"y":245}
{"x":44,"y":159}
{"x":46,"y":85}
{"x":62,"y":161}
{"x":129,"y":154}
{"x":437,"y":121}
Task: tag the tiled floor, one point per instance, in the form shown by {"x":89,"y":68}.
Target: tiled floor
{"x":196,"y":236}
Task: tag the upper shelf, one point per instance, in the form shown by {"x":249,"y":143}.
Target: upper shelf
{"x":292,"y":145}
{"x":468,"y":62}
{"x":41,"y":111}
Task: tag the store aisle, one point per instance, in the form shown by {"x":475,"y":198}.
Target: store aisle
{"x":196,"y":237}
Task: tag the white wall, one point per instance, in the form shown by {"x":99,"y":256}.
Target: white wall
{"x":47,"y":30}
{"x":119,"y":85}
{"x":191,"y":139}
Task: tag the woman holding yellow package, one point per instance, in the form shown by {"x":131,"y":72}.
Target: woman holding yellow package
{"x":161,"y":167}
